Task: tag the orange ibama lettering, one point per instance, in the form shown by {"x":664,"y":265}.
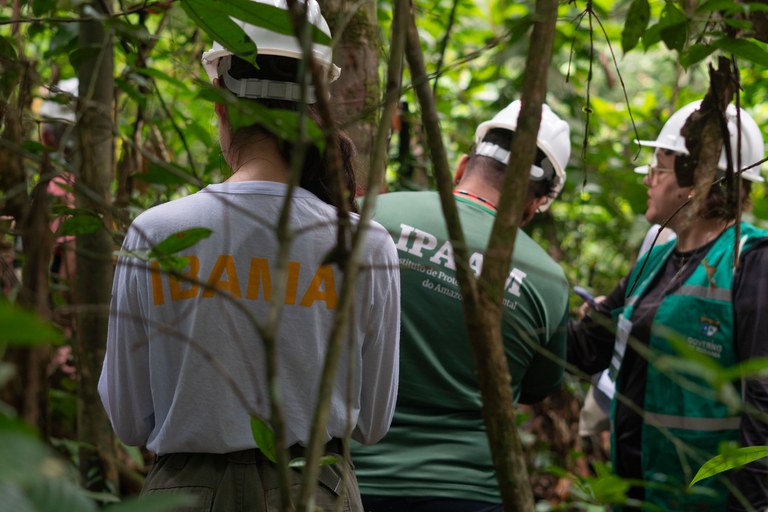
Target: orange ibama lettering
{"x":191,"y":283}
{"x":293,"y":282}
{"x":322,"y":287}
{"x":157,"y":284}
{"x":258,"y":277}
{"x":225,"y":264}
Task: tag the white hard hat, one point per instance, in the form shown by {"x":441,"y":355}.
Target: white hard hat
{"x":553,"y":140}
{"x":273,"y":43}
{"x":61,"y":110}
{"x":752,"y":146}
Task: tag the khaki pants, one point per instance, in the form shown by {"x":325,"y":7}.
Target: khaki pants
{"x":245,"y":482}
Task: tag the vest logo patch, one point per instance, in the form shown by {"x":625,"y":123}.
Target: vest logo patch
{"x":708,"y":326}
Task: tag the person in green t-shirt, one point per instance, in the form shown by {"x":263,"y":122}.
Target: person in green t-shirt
{"x":436,"y":456}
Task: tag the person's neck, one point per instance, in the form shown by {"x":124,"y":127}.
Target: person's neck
{"x":479,"y":193}
{"x":262,"y":162}
{"x":699,"y":233}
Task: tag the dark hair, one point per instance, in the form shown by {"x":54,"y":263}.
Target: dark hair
{"x":315,"y":172}
{"x":493,"y":171}
{"x":722,"y":202}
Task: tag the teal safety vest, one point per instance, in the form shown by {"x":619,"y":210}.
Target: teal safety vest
{"x":684,"y":421}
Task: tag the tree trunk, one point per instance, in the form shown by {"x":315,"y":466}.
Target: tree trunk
{"x":356,"y":92}
{"x":94,"y":260}
{"x":27,"y":391}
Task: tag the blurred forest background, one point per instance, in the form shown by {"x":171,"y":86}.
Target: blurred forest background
{"x":619,"y":68}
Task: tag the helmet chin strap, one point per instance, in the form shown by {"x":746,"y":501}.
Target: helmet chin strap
{"x":254,"y":88}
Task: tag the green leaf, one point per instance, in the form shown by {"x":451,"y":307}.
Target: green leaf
{"x":19,"y":326}
{"x":128,"y":88}
{"x":55,"y":494}
{"x":82,"y":54}
{"x":695,"y":53}
{"x":163,"y":173}
{"x":719,"y":6}
{"x":264,"y":437}
{"x":744,"y":48}
{"x":81,"y":223}
{"x":34,"y":147}
{"x":732,"y":459}
{"x":217,"y":24}
{"x":213,"y":16}
{"x":755,"y":367}
{"x":674,"y":27}
{"x":269,"y":17}
{"x":179,"y":241}
{"x":637,"y":21}
{"x":7,"y":49}
{"x":40,"y":7}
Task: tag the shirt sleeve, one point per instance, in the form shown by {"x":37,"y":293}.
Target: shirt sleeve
{"x":124,"y":384}
{"x":381,"y":347}
{"x":750,"y":307}
{"x":545,"y":373}
{"x":590,"y":340}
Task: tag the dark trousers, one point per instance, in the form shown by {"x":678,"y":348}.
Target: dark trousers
{"x":244,"y":481}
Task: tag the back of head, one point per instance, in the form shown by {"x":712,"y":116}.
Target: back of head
{"x":553,"y":143}
{"x":275,"y":82}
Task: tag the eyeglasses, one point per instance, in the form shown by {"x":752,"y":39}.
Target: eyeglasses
{"x":654,"y":171}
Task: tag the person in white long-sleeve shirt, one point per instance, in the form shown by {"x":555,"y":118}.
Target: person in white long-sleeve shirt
{"x":185,"y":368}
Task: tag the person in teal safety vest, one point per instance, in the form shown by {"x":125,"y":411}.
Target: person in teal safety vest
{"x":687,"y":299}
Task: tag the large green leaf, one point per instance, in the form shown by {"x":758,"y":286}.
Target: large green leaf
{"x":163,"y":173}
{"x":637,"y":21}
{"x":733,"y":458}
{"x":695,"y":53}
{"x":179,"y":241}
{"x":82,"y":222}
{"x":674,"y":27}
{"x":209,"y":16}
{"x":19,"y":326}
{"x":7,"y":49}
{"x":269,"y":17}
{"x":744,"y":48}
{"x":57,"y":495}
{"x":213,"y":16}
{"x":264,"y":437}
{"x":731,"y":7}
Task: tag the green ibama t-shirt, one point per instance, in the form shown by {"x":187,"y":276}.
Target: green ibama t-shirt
{"x":437,"y":444}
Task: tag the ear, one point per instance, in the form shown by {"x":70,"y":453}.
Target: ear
{"x":460,"y":168}
{"x":221,"y":110}
{"x":531,"y":208}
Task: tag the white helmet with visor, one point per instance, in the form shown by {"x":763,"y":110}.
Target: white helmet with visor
{"x":216,"y":60}
{"x":553,"y":140}
{"x":752,"y":146}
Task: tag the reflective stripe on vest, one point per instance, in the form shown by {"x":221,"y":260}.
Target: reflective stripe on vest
{"x":705,"y":292}
{"x":689,"y":423}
